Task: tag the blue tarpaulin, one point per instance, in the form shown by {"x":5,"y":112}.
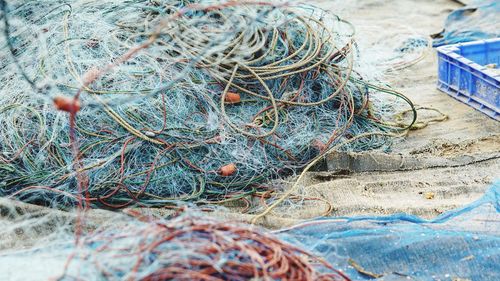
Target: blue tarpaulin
{"x":463,"y":244}
{"x":476,"y":21}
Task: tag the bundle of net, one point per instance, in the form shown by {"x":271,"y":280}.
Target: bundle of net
{"x":151,"y":102}
{"x":140,"y":247}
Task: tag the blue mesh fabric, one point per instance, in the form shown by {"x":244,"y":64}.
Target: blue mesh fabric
{"x":462,"y":244}
{"x":477,"y":21}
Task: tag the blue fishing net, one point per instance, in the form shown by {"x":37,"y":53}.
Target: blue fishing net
{"x":462,"y":244}
{"x":479,"y":20}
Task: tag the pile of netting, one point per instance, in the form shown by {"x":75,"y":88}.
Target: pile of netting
{"x":149,"y":102}
{"x":462,"y":244}
{"x":185,"y":247}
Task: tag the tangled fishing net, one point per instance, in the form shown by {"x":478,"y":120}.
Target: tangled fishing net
{"x":185,"y":247}
{"x":149,"y":102}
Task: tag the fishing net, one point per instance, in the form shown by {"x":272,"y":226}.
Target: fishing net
{"x":462,"y":244}
{"x":109,"y":104}
{"x":476,"y":21}
{"x":140,"y":247}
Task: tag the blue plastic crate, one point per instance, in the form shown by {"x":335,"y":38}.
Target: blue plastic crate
{"x":470,"y":72}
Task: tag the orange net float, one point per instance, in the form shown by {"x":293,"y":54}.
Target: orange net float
{"x":67,"y":104}
{"x":232,"y":97}
{"x":228,"y":170}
